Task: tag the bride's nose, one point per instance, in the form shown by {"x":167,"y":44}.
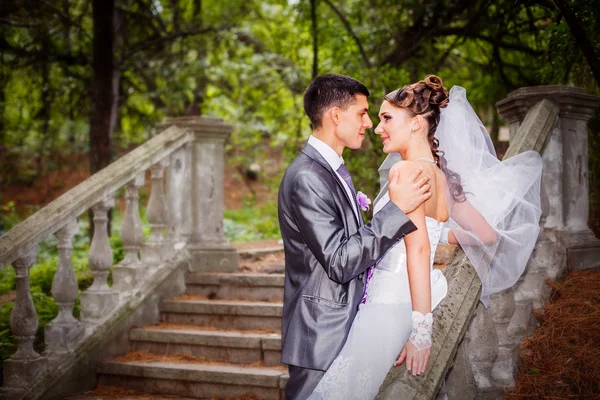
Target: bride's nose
{"x":378,"y":129}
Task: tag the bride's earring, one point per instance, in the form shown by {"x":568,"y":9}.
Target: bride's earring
{"x":412,"y":131}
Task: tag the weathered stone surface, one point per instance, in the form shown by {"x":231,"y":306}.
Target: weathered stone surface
{"x":224,"y":346}
{"x":179,"y":195}
{"x":156,"y":248}
{"x":223,"y":307}
{"x":213,"y":258}
{"x":208,"y":247}
{"x":265,"y":287}
{"x":64,"y":284}
{"x":459,"y":383}
{"x":233,"y":279}
{"x":574,"y":102}
{"x":223,"y":314}
{"x":585,"y":258}
{"x":19,"y":373}
{"x":194,"y":380}
{"x":502,"y":308}
{"x":534,"y":130}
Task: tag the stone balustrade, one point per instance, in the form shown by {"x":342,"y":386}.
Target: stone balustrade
{"x":185,"y":214}
{"x":476,"y":350}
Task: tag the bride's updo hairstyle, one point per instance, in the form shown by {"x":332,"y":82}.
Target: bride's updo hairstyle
{"x":426,"y":98}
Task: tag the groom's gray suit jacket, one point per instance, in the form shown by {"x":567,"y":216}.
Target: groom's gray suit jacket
{"x":326,"y":253}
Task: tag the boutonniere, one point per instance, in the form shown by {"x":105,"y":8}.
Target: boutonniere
{"x":363,"y":201}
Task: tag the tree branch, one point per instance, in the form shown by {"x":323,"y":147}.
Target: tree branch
{"x":348,"y":27}
{"x":581,"y":38}
{"x":42,"y":55}
{"x":452,"y":31}
{"x":161,"y":41}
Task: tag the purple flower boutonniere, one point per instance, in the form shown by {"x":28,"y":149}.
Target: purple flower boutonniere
{"x":363,"y":201}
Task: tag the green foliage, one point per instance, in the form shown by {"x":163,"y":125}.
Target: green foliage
{"x":252,"y":222}
{"x":8,"y":216}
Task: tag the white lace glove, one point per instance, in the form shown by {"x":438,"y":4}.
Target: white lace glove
{"x":422,"y":330}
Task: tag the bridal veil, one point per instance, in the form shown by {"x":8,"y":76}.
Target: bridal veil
{"x":506,"y":193}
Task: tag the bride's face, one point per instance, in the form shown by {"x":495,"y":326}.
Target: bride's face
{"x":394,"y":128}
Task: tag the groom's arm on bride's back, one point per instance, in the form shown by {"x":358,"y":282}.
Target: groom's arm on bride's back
{"x":320,"y":223}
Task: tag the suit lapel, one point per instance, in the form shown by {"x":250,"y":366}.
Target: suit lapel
{"x":312,"y":153}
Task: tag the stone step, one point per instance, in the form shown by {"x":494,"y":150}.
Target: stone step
{"x":228,"y":314}
{"x":267,"y":287}
{"x":197,"y":380}
{"x":235,"y":347}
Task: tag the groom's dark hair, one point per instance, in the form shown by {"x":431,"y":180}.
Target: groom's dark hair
{"x":330,"y":90}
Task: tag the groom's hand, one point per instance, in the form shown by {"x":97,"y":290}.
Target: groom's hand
{"x":408,"y":190}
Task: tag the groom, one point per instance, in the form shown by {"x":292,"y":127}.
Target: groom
{"x":327,"y":245}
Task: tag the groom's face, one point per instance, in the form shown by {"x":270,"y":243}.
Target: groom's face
{"x":353,"y":122}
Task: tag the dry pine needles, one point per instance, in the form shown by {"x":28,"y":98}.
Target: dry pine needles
{"x":561,"y":360}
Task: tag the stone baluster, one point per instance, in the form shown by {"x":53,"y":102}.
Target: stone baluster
{"x":502,"y":307}
{"x":156,"y":248}
{"x":209,"y":249}
{"x":26,"y":364}
{"x":482,"y":350}
{"x":99,"y":299}
{"x":179,"y":197}
{"x":129,"y":272}
{"x":64,"y":331}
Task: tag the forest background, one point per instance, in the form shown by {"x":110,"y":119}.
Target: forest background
{"x":82,"y":82}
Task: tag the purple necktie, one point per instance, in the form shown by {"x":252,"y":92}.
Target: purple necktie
{"x":345,"y":174}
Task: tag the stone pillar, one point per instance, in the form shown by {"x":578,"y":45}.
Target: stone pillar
{"x":26,"y":364}
{"x":565,"y":155}
{"x":178,"y":196}
{"x":209,"y":249}
{"x":64,"y":331}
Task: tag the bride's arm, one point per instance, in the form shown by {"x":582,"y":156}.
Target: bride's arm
{"x":418,"y":256}
{"x":474,"y":228}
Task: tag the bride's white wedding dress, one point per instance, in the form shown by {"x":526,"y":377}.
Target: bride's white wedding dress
{"x":382,"y":325}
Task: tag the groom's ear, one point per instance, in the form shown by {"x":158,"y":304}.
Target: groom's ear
{"x":334,"y":114}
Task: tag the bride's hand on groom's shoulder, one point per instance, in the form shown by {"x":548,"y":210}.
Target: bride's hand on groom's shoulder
{"x":408,"y":187}
{"x":416,"y":359}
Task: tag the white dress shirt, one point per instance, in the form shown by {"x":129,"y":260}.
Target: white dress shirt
{"x":334,"y":161}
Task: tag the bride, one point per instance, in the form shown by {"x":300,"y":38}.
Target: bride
{"x":490,"y":208}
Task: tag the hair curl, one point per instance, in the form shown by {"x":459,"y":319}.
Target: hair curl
{"x":426,"y":98}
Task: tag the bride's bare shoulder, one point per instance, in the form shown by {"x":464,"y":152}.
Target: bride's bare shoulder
{"x":405,"y":167}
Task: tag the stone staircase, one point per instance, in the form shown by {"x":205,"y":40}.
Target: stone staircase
{"x":219,"y":340}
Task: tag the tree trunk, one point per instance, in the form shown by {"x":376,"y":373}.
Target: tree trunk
{"x":102,"y":96}
{"x":581,"y":38}
{"x":315,"y":34}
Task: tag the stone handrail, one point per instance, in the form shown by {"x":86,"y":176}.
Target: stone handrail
{"x":475,"y":350}
{"x":185,"y":214}
{"x":44,"y":223}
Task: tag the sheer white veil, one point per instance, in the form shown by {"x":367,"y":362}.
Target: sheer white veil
{"x":506,"y":193}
